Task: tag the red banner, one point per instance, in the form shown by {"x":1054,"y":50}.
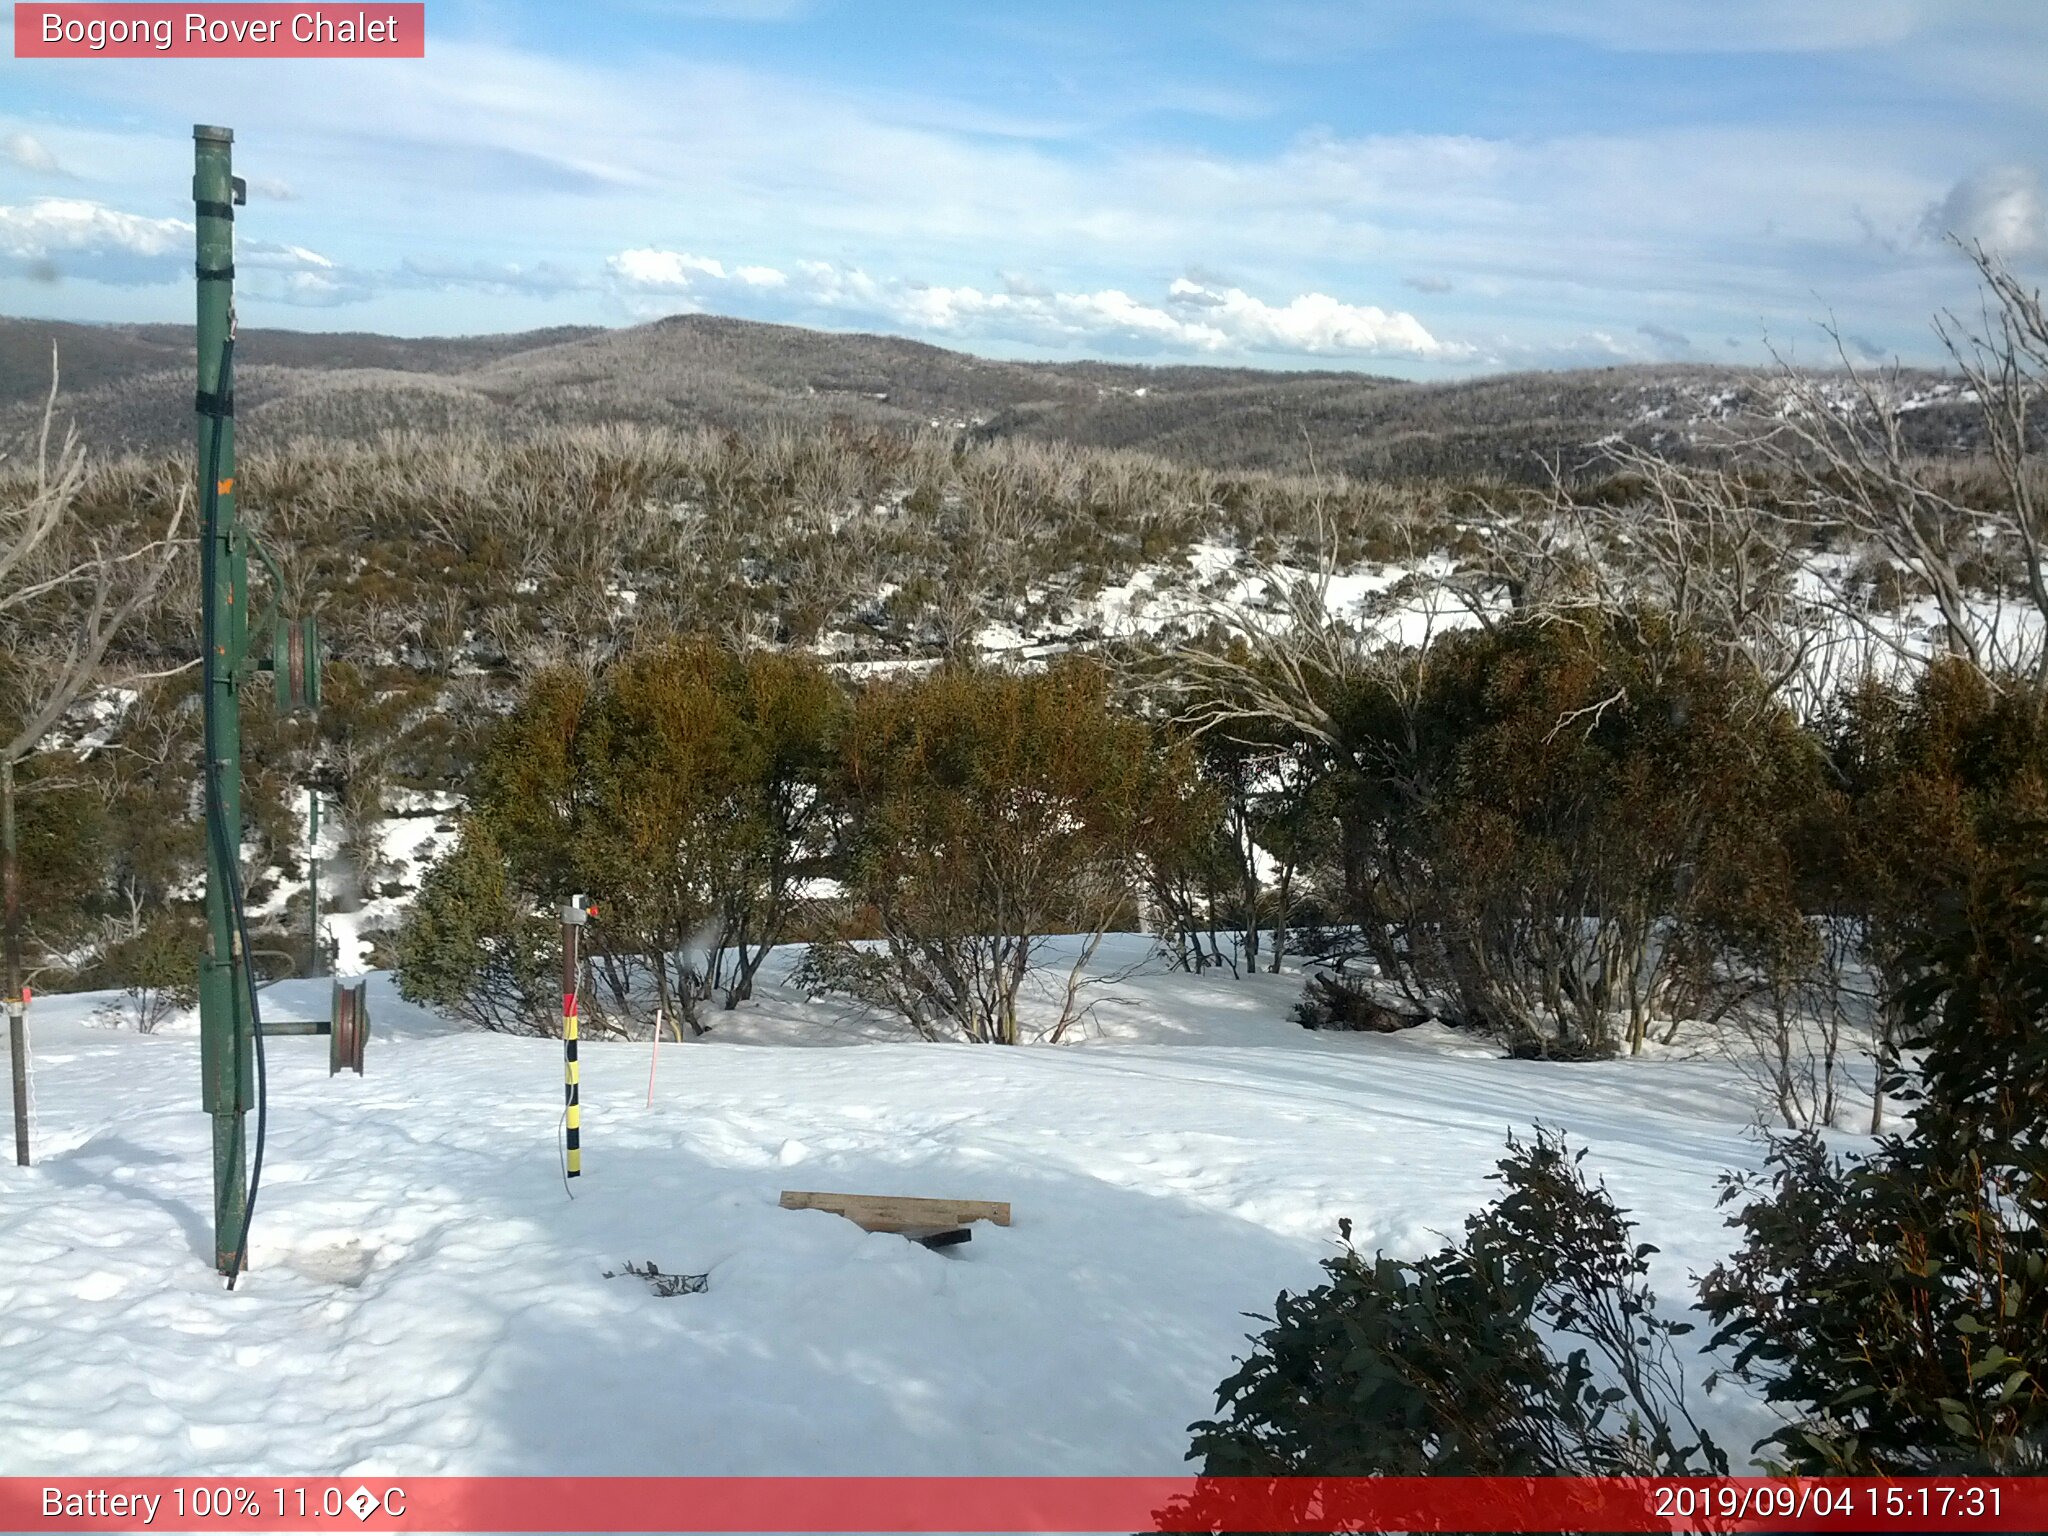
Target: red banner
{"x":1004,"y":1504}
{"x":360,"y":31}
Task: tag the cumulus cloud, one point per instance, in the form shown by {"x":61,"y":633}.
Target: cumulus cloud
{"x":292,"y":274}
{"x":664,"y":271}
{"x":2001,"y":206}
{"x":1311,"y":323}
{"x":652,"y":271}
{"x":1191,"y":317}
{"x":55,"y":237}
{"x":80,"y":238}
{"x":27,"y":152}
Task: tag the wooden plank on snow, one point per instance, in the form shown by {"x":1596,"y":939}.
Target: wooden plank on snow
{"x":898,"y":1213}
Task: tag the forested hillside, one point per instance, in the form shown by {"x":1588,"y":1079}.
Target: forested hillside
{"x":126,"y":389}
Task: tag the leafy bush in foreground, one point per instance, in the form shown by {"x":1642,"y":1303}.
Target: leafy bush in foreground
{"x":1450,"y":1364}
{"x":1897,"y":1305}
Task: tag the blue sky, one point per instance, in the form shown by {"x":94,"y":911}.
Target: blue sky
{"x":1432,"y":188}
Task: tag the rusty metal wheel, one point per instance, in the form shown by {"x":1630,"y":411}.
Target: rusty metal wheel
{"x":295,"y":661}
{"x":351,"y":1028}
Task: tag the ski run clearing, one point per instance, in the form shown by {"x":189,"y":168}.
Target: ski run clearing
{"x":426,"y":1297}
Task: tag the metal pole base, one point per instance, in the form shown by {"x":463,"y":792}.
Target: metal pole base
{"x":17,"y":1050}
{"x":231,"y":1191}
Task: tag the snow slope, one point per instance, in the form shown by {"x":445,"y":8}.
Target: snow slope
{"x":426,"y":1297}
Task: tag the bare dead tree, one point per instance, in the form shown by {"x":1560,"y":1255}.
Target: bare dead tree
{"x":1695,"y":543}
{"x":1795,"y":1014}
{"x":65,"y":594}
{"x":1277,"y":650}
{"x":1848,"y":456}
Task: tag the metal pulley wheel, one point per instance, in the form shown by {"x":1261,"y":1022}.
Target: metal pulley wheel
{"x":295,"y":663}
{"x":351,"y":1028}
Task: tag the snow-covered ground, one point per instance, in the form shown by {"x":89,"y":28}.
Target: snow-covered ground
{"x":425,"y":1296}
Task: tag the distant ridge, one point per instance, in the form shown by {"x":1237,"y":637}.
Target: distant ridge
{"x":128,"y":386}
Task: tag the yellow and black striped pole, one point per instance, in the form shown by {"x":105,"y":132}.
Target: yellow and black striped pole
{"x":574,"y":916}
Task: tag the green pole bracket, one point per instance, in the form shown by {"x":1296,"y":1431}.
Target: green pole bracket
{"x":268,"y":622}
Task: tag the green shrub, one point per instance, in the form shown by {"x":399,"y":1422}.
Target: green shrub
{"x":1546,"y":830}
{"x":983,"y":812}
{"x":1896,"y":1306}
{"x":157,"y":970}
{"x":678,"y":787}
{"x":1451,"y":1364}
{"x":471,"y":946}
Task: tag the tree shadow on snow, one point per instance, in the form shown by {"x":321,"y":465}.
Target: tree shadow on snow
{"x":1081,"y":1340}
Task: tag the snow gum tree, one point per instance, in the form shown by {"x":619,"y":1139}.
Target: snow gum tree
{"x":984,"y":812}
{"x":678,"y":788}
{"x":1546,"y":829}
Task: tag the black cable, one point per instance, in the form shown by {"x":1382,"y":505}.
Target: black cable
{"x":230,"y":857}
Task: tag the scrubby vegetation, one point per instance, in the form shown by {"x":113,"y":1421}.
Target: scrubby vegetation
{"x":1631,"y":772}
{"x":678,"y":787}
{"x":1532,"y":1347}
{"x":976,"y":815}
{"x":1896,"y":1305}
{"x":450,"y":571}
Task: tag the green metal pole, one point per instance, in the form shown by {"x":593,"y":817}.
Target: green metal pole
{"x":226,"y":1034}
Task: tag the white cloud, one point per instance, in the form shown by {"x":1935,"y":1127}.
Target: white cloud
{"x":314,"y":290}
{"x":1193,"y":317}
{"x":1311,"y":323}
{"x":65,"y":236}
{"x":55,"y":224}
{"x":264,"y":254}
{"x":29,"y":153}
{"x":664,"y":271}
{"x":2001,"y":207}
{"x":62,"y":237}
